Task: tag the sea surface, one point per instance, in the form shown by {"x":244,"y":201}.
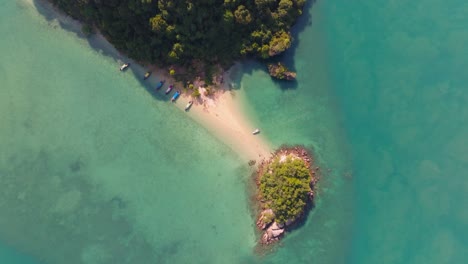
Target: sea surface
{"x":95,"y":168}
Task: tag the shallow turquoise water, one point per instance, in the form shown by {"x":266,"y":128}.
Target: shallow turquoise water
{"x":94,"y":169}
{"x":382,"y":97}
{"x":13,"y":256}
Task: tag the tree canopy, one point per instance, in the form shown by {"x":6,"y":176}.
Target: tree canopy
{"x":181,"y":31}
{"x":285,"y":186}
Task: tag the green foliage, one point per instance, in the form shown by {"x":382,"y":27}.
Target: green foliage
{"x":196,"y":93}
{"x":268,"y":217}
{"x":158,"y":23}
{"x":180,"y":31}
{"x":285,"y":187}
{"x":242,"y":15}
{"x":280,"y":42}
{"x":280,"y":71}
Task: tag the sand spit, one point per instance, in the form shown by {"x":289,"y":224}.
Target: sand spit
{"x":220,"y":114}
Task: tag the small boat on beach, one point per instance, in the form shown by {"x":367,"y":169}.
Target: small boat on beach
{"x":256,"y":131}
{"x":169,"y":89}
{"x":176,"y":95}
{"x":147,"y":74}
{"x":124,"y":66}
{"x":160,"y":84}
{"x":187,"y":107}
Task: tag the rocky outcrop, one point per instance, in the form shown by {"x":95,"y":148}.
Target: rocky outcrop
{"x":272,"y":234}
{"x":266,"y":217}
{"x":279,"y":71}
{"x":272,"y":226}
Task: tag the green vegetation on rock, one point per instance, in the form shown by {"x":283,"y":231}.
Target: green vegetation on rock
{"x":284,"y":187}
{"x":279,"y":71}
{"x":182,"y":31}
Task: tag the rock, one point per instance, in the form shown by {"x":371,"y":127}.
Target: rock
{"x":266,"y":217}
{"x":277,"y":233}
{"x":274,"y":226}
{"x":272,"y":233}
{"x":265,"y":239}
{"x":267,"y":211}
{"x":279,"y":71}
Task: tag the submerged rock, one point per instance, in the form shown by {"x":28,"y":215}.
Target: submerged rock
{"x":279,"y":71}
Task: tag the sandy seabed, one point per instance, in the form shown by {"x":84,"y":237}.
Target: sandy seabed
{"x":220,"y":114}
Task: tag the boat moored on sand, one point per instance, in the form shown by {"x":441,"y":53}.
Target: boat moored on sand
{"x":169,"y":89}
{"x":175,"y":96}
{"x":256,"y":131}
{"x":187,"y":107}
{"x":124,"y":66}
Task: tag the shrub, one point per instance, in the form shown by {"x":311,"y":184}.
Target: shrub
{"x":196,"y":93}
{"x":285,"y":187}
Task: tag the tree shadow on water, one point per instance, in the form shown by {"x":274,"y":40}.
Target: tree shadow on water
{"x":288,"y":57}
{"x":98,"y":43}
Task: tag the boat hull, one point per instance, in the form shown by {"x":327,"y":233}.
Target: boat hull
{"x":176,"y":95}
{"x":160,"y":85}
{"x":124,"y":66}
{"x":187,"y":107}
{"x":169,"y":89}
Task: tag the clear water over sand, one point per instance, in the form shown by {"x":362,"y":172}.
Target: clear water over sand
{"x":94,"y":169}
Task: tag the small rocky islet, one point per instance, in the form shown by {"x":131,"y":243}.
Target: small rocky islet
{"x":285,"y":191}
{"x":281,"y":72}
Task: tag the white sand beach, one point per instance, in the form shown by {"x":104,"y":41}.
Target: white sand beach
{"x":224,"y":118}
{"x":220,"y":114}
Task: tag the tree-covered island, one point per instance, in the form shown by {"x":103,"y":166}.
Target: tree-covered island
{"x":189,"y":33}
{"x":285,"y":189}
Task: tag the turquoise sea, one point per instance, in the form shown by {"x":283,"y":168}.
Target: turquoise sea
{"x":96,"y":169}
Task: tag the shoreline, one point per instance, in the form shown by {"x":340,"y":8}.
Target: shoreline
{"x":270,"y":229}
{"x":220,"y":113}
{"x":222,"y":116}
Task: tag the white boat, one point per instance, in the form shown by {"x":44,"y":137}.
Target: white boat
{"x":256,"y":131}
{"x":124,"y":66}
{"x":187,"y":107}
{"x":169,"y":89}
